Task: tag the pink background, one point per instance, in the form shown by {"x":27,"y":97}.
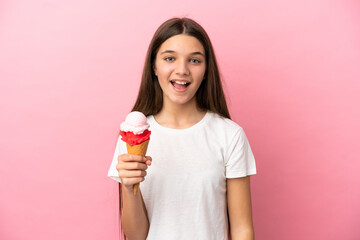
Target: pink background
{"x":69,"y":74}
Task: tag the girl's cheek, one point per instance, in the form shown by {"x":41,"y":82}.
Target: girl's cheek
{"x":167,"y":68}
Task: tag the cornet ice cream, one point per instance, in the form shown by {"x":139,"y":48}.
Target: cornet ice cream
{"x":135,"y":132}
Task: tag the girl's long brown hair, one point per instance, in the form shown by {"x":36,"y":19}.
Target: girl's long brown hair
{"x":210,"y":95}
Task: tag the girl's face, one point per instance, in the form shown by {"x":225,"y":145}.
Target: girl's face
{"x":180,"y":67}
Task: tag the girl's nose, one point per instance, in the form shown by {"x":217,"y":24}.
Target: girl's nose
{"x":182,"y":67}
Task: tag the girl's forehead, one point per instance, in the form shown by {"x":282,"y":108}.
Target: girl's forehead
{"x":182,"y":44}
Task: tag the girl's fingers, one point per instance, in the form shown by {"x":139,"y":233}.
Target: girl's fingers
{"x":131,"y":166}
{"x":132,"y":174}
{"x":148,"y":160}
{"x":132,"y":181}
{"x":131,"y":162}
{"x":131,"y":158}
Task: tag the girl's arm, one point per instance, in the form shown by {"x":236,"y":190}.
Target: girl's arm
{"x":239,"y":207}
{"x":134,"y":217}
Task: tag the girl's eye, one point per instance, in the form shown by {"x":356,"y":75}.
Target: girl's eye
{"x":169,"y":59}
{"x":195,"y":61}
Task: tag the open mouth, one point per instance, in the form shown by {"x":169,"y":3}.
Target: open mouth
{"x":180,"y":85}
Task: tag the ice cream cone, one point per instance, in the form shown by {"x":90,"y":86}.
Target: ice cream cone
{"x":139,"y":149}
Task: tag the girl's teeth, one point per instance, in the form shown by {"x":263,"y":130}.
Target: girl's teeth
{"x":182,"y":83}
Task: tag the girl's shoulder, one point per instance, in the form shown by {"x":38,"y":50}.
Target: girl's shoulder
{"x":224,"y":130}
{"x":217,"y":121}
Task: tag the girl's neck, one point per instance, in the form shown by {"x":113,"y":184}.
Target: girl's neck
{"x":179,"y":116}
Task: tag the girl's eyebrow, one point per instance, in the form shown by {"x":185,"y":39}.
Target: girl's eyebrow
{"x":172,"y":51}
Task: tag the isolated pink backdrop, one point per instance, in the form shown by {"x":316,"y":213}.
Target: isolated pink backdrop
{"x":69,"y":74}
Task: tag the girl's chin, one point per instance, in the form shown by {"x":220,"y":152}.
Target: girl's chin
{"x":181,"y":100}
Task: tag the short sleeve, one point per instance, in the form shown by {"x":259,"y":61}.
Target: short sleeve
{"x":119,"y":149}
{"x":239,"y":159}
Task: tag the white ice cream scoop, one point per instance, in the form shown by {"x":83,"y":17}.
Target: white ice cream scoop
{"x":135,"y":122}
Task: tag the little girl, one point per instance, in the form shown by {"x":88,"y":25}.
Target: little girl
{"x":195,"y":182}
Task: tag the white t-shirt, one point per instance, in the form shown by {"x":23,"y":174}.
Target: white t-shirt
{"x":185,"y":187}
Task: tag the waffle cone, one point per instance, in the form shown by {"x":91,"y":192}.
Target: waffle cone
{"x":140,"y":150}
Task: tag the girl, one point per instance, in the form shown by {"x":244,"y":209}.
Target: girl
{"x":197,"y":179}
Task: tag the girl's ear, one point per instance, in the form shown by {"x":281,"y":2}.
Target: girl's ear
{"x":154,"y":70}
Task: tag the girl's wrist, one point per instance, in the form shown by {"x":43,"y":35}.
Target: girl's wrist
{"x":128,"y":189}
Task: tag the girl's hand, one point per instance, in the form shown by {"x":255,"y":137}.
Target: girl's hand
{"x":132,"y":169}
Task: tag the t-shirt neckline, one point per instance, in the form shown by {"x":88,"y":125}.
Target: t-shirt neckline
{"x":154,"y":123}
